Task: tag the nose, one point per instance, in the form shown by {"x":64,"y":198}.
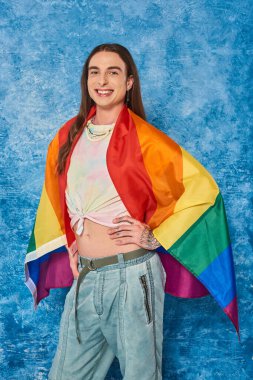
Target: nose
{"x":103,"y":79}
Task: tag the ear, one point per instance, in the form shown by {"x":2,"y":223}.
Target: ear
{"x":130,"y":82}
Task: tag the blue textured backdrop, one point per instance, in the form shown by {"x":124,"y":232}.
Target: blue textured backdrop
{"x":194,"y":61}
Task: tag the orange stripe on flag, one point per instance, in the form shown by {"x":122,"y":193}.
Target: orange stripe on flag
{"x":52,"y":180}
{"x":166,"y":169}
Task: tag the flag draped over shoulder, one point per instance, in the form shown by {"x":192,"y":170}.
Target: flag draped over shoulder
{"x":162,"y":185}
{"x":47,"y":264}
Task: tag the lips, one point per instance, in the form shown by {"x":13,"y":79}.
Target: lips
{"x":104,"y":92}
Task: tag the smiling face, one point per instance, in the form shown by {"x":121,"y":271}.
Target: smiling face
{"x":107,"y":80}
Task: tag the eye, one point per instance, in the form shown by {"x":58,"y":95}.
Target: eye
{"x":113,"y":72}
{"x":93,"y":72}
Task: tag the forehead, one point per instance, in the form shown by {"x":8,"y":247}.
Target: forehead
{"x":104,"y":59}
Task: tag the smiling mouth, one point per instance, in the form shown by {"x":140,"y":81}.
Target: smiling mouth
{"x":104,"y":92}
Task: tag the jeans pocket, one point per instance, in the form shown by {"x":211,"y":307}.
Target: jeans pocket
{"x":146,"y":297}
{"x":163,"y":271}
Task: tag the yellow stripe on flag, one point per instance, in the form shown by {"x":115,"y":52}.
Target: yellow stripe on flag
{"x":200,"y":193}
{"x":47,"y":226}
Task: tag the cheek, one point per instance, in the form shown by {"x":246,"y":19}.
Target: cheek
{"x":90,"y":85}
{"x":90,"y":92}
{"x":121,"y":88}
{"x":90,"y":82}
{"x":120,"y":84}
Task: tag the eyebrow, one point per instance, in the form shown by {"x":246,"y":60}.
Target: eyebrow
{"x":108,"y":68}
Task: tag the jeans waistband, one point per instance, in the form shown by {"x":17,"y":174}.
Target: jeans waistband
{"x":115,"y":261}
{"x":107,"y":263}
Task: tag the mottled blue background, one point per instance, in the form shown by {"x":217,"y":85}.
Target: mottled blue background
{"x":194,"y":61}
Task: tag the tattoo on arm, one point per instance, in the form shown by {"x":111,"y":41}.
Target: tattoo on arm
{"x":148,"y":240}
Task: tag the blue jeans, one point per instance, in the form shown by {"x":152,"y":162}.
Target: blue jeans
{"x":120,"y":313}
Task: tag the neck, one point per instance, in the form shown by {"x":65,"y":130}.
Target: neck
{"x":107,"y":116}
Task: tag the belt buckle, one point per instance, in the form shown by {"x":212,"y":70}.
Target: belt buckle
{"x":91,"y":265}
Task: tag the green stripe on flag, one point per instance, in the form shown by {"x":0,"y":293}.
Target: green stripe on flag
{"x":32,"y":242}
{"x":204,"y":240}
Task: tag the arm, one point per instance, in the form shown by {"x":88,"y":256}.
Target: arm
{"x":133,"y":232}
{"x":73,"y":261}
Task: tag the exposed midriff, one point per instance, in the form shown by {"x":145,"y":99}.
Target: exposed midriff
{"x":95,"y":241}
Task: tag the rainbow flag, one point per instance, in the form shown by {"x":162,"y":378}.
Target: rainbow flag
{"x":162,"y":185}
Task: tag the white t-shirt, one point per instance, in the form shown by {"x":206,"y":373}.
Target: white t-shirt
{"x":90,"y":192}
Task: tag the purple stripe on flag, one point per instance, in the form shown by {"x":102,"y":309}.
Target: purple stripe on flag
{"x":180,"y":282}
{"x":232,"y":311}
{"x":54,"y":273}
{"x":34,"y":266}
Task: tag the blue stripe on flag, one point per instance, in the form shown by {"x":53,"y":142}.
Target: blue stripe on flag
{"x":219,"y":278}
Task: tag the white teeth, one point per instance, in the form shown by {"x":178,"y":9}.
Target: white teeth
{"x":104,"y":91}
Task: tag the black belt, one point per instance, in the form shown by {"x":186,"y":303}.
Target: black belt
{"x":93,"y":264}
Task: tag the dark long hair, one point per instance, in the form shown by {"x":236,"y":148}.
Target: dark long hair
{"x":134,"y":103}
